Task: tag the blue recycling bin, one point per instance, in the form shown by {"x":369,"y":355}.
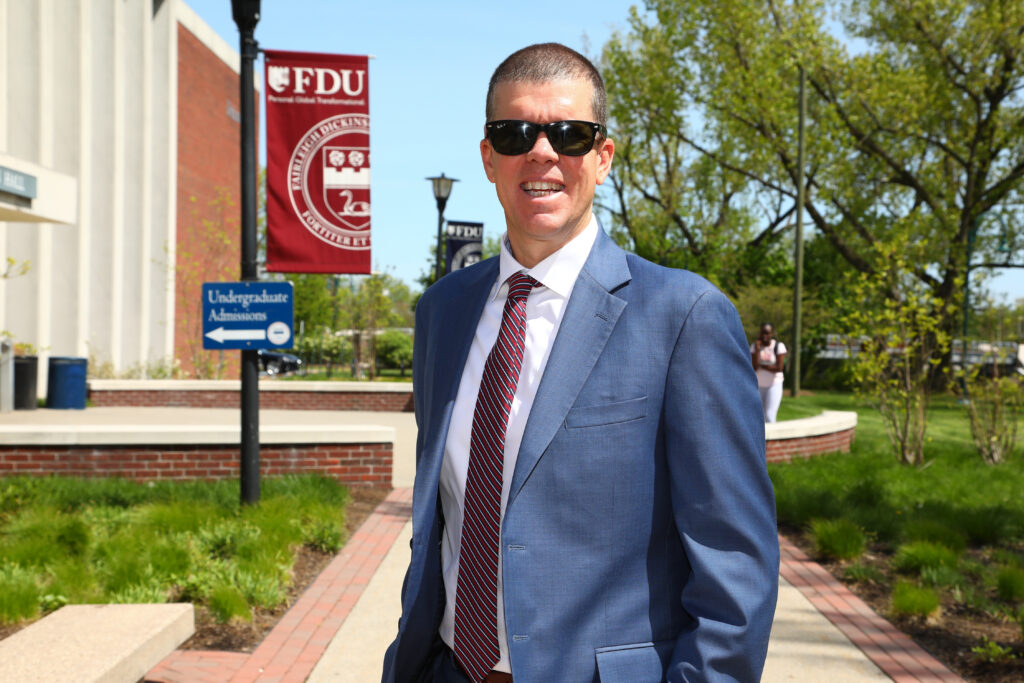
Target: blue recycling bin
{"x":65,"y":384}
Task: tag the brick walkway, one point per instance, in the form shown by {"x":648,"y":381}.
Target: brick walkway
{"x":291,"y":650}
{"x":893,"y":652}
{"x":295,"y":645}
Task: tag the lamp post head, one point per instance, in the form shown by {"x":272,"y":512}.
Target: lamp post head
{"x":442,"y":189}
{"x":246,"y":14}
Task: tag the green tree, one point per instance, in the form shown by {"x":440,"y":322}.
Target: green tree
{"x":915,"y":132}
{"x":378,"y":301}
{"x":898,"y":322}
{"x":394,"y":350}
{"x":314,"y":300}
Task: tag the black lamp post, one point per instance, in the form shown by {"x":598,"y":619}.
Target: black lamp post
{"x":442,"y":188}
{"x":246,"y":14}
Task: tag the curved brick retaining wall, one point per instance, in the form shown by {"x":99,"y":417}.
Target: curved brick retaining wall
{"x":830,"y":432}
{"x":274,"y":394}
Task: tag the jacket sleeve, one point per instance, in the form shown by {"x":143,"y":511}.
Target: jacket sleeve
{"x":722,"y":498}
{"x":419,"y":363}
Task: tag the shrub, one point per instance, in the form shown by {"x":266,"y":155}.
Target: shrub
{"x":259,"y":588}
{"x":324,"y":535}
{"x":942,"y":576}
{"x":227,"y":602}
{"x":838,"y":538}
{"x":1010,"y":584}
{"x":228,"y":539}
{"x":992,"y":652}
{"x":394,"y":350}
{"x":881,"y":521}
{"x":935,"y":531}
{"x":916,"y":556}
{"x":798,"y":505}
{"x":73,"y":537}
{"x":985,"y":526}
{"x":19,"y":594}
{"x":911,"y":600}
{"x":150,"y":592}
{"x":994,"y":409}
{"x":1008,"y":557}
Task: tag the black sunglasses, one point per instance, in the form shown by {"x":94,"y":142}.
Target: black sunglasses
{"x":572,"y":138}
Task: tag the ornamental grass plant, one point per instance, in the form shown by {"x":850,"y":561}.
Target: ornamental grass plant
{"x":110,"y":540}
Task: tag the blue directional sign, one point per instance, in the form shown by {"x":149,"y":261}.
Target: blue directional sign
{"x":248,"y":315}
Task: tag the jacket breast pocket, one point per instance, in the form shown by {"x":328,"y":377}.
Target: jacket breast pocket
{"x":607,"y":413}
{"x":635,"y":663}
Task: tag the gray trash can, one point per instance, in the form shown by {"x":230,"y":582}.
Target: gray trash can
{"x":65,"y":385}
{"x":25,"y":373}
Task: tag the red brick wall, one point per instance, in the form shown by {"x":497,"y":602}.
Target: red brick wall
{"x":784,"y":450}
{"x":208,"y":225}
{"x":353,"y":464}
{"x":291,"y":400}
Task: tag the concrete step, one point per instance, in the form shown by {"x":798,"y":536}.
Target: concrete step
{"x":95,"y":643}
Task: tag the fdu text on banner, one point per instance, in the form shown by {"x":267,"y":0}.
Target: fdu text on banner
{"x":248,"y":315}
{"x":318,"y":162}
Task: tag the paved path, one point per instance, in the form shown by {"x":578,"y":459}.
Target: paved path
{"x":340,"y":627}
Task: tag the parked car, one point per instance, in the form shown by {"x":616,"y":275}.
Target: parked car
{"x":278,"y":362}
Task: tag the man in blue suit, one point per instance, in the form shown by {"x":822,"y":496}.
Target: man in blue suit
{"x":633,"y":535}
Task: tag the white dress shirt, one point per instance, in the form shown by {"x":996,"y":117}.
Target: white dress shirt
{"x":544,"y":311}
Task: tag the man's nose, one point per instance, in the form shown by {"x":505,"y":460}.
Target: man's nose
{"x":542,"y":149}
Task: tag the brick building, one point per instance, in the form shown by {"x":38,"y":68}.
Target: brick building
{"x":119,"y":132}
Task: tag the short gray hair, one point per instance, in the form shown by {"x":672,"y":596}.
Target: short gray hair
{"x":546,"y":62}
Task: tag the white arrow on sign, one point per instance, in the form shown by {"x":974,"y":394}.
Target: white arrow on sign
{"x":220,"y":335}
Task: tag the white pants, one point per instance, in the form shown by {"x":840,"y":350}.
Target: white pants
{"x":771,"y":397}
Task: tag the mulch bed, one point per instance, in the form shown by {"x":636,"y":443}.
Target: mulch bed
{"x":241,"y":636}
{"x":947,"y":636}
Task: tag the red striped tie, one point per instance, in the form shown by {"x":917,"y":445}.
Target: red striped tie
{"x":476,"y":599}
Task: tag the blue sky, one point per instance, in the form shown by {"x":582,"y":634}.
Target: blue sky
{"x":428,"y":79}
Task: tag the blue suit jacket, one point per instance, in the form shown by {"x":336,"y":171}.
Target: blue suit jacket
{"x":639,"y":542}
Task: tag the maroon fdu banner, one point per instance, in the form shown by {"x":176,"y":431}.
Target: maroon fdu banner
{"x":318,"y":163}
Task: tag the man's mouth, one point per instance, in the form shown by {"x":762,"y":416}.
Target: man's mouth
{"x":541,"y":189}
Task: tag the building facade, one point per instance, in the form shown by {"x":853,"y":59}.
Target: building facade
{"x":123,"y":115}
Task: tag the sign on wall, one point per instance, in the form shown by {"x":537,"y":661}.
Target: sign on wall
{"x":318,"y":163}
{"x":464,"y":244}
{"x":248,"y":315}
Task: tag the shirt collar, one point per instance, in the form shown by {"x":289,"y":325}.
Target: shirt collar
{"x":558,"y":272}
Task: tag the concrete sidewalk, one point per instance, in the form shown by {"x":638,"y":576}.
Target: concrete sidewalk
{"x":340,"y":628}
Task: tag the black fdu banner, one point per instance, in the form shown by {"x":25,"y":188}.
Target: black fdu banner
{"x":465,"y":244}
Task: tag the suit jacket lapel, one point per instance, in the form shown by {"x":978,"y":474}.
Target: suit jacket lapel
{"x":590,"y":317}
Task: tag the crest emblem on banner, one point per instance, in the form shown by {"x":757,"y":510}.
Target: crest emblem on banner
{"x":277,"y":77}
{"x":329,"y":181}
{"x":347,"y":184}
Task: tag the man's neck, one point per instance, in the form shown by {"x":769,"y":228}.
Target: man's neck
{"x":531,"y":252}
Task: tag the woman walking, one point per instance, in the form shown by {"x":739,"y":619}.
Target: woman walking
{"x":769,"y":356}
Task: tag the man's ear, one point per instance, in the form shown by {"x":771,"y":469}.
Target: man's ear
{"x":487,"y":156}
{"x":604,"y":159}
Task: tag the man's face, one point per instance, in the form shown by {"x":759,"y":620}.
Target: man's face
{"x":767,"y":332}
{"x":547,"y":196}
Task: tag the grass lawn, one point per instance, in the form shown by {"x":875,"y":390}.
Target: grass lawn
{"x":938,"y":549}
{"x":112,"y":540}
